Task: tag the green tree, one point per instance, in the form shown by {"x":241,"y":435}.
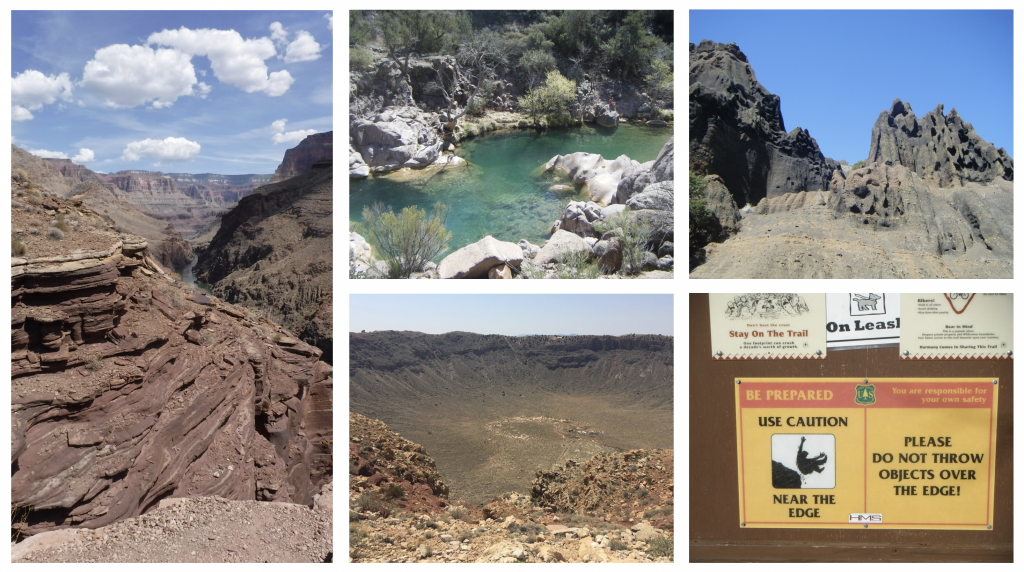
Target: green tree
{"x":553,"y":97}
{"x":630,"y":51}
{"x":858,"y":165}
{"x":703,"y":224}
{"x":535,"y":65}
{"x":660,"y":81}
{"x":409,"y":240}
{"x":360,"y":31}
{"x":405,"y":32}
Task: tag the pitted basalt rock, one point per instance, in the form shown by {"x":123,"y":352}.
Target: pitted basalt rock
{"x":737,"y":131}
{"x":940,"y":148}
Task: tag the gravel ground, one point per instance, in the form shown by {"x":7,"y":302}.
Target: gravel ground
{"x":206,"y":529}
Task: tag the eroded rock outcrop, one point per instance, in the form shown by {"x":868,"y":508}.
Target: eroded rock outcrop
{"x":301,"y":158}
{"x":600,"y":176}
{"x":940,"y":148}
{"x":737,"y":131}
{"x":128,"y":387}
{"x":396,"y":138}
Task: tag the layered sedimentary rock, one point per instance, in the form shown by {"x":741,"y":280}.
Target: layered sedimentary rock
{"x":218,"y":190}
{"x":940,"y":148}
{"x":272,"y":254}
{"x":737,"y":131}
{"x":128,"y":387}
{"x":301,"y":158}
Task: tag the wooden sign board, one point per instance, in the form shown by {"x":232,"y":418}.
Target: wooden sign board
{"x":906,"y":453}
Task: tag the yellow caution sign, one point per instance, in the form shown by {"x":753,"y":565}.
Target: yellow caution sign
{"x":876,"y":453}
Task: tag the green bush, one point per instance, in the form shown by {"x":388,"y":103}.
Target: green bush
{"x":359,"y":59}
{"x":576,"y":264}
{"x":394,"y":492}
{"x":553,"y":97}
{"x":858,"y":165}
{"x":703,"y":224}
{"x":408,"y":240}
{"x":61,"y":224}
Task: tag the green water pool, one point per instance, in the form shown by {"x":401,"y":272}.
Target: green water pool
{"x":502,"y":192}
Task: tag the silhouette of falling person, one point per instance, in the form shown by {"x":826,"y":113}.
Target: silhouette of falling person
{"x":807,"y":465}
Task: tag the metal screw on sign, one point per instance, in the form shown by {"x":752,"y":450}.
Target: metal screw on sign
{"x":744,"y":524}
{"x":865,"y":381}
{"x":865,"y":526}
{"x":718,"y":353}
{"x":1009,"y":352}
{"x":990,"y":527}
{"x":906,"y":352}
{"x":817,"y":353}
{"x":737,"y":382}
{"x":995,"y":381}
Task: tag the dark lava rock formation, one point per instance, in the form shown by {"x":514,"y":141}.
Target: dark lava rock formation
{"x":737,"y":131}
{"x":300,"y":159}
{"x":273,"y":255}
{"x":939,"y":148}
{"x":128,"y":387}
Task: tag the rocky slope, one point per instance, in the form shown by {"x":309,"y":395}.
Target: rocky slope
{"x":300,"y":159}
{"x":737,"y":131}
{"x":203,"y":529}
{"x":941,"y":149}
{"x":53,"y":178}
{"x":272,"y":254}
{"x":128,"y":387}
{"x":612,"y":508}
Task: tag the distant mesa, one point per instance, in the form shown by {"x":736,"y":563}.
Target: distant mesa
{"x":939,"y":148}
{"x":302,"y":157}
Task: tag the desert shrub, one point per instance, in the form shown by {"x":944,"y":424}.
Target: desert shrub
{"x":576,"y":264}
{"x":394,"y":492}
{"x":858,"y":165}
{"x":370,"y":501}
{"x":60,"y":223}
{"x":19,"y":175}
{"x":617,"y":545}
{"x":94,"y":362}
{"x":17,"y":248}
{"x":56,"y":233}
{"x":359,"y":59}
{"x":667,"y":115}
{"x":661,"y":546}
{"x":356,"y":534}
{"x":74,"y":217}
{"x":16,"y":205}
{"x":33,"y":230}
{"x":553,"y":97}
{"x":20,"y":193}
{"x":459,"y":513}
{"x":636,"y":235}
{"x":408,"y":240}
{"x":641,"y":493}
{"x":471,"y":130}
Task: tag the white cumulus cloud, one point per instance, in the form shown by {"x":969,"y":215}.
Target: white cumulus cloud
{"x":303,"y":49}
{"x":84,"y":156}
{"x":170,"y":150}
{"x":31,"y":90}
{"x":127,"y":76}
{"x":19,"y":113}
{"x":277,"y":128}
{"x":203,"y":90}
{"x":278,"y":33}
{"x":234,"y":60}
{"x":48,"y":154}
{"x":330,"y":21}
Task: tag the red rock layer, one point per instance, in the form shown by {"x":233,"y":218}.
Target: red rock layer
{"x":300,"y":159}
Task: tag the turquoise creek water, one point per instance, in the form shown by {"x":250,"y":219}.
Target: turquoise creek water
{"x":503,"y":191}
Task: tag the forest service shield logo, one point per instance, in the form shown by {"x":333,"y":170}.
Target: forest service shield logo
{"x":865,"y":395}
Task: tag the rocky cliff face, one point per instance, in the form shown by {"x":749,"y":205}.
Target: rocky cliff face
{"x":300,"y":159}
{"x":943,"y":149}
{"x":737,"y":131}
{"x":127,"y":387}
{"x":272,"y":254}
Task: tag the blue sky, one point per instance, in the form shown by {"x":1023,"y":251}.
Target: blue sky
{"x":513,"y":314}
{"x":835,"y":71}
{"x":193,"y":92}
